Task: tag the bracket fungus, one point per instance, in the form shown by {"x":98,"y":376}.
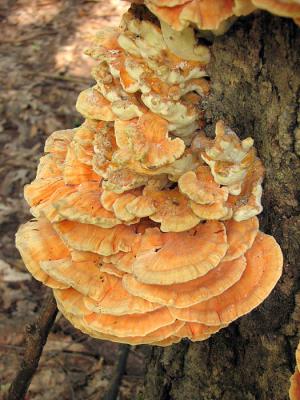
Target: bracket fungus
{"x":294,"y":391}
{"x":145,"y":228}
{"x":216,"y":15}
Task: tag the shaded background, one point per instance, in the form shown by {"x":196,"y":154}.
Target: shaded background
{"x":42,"y":71}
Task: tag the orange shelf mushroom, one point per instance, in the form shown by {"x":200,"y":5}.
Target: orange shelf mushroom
{"x":215,"y":15}
{"x":294,"y":391}
{"x":146,"y":229}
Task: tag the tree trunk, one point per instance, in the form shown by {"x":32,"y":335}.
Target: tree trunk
{"x":255,"y":88}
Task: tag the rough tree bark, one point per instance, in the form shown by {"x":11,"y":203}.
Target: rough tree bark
{"x":255,"y":74}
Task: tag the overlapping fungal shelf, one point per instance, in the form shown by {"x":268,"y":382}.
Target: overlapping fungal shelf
{"x":295,"y":379}
{"x":145,"y":228}
{"x":216,"y":15}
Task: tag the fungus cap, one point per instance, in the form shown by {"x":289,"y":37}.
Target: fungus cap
{"x":92,"y":104}
{"x":76,"y":172}
{"x":147,"y":141}
{"x":294,"y":391}
{"x":81,"y":272}
{"x":84,"y":206}
{"x":192,"y":292}
{"x":264,"y":268}
{"x":164,"y":334}
{"x":240,"y":236}
{"x":172,"y":211}
{"x":206,"y":15}
{"x":37,"y":242}
{"x":200,"y":186}
{"x":129,"y":325}
{"x":181,"y":257}
{"x":97,"y":240}
{"x":117,"y":301}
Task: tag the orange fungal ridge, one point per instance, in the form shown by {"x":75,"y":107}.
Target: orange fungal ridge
{"x":145,"y":228}
{"x":216,"y":15}
{"x":294,"y":391}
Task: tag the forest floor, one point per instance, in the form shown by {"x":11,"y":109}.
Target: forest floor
{"x":42,"y":71}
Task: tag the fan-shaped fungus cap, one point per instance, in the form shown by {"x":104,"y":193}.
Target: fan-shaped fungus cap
{"x":180,"y":114}
{"x":45,"y":208}
{"x":216,"y":211}
{"x":248,"y":203}
{"x":294,"y":391}
{"x":187,"y":162}
{"x":107,"y":84}
{"x":233,"y":163}
{"x":120,"y":207}
{"x":120,"y":180}
{"x":184,"y":44}
{"x":146,"y":140}
{"x":141,"y":207}
{"x":200,"y":186}
{"x":141,"y":38}
{"x":144,"y":40}
{"x":229,"y":158}
{"x":172,"y":211}
{"x":81,"y":272}
{"x":124,"y":105}
{"x":40,"y":190}
{"x":127,"y":205}
{"x":160,"y":334}
{"x":129,"y":325}
{"x":92,"y":104}
{"x":49,"y":167}
{"x":264,"y":268}
{"x":170,"y":78}
{"x":117,"y":301}
{"x":38,"y":242}
{"x":83,"y":141}
{"x":208,"y":200}
{"x":75,"y":172}
{"x":83,"y":205}
{"x":228,"y":147}
{"x":215,"y":15}
{"x":104,"y":147}
{"x":192,"y":292}
{"x":97,"y":240}
{"x":105,"y":40}
{"x":57,"y":143}
{"x":240,"y":236}
{"x":207,"y":15}
{"x":181,"y":257}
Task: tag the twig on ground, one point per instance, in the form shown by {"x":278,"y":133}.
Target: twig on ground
{"x":67,"y":78}
{"x":113,"y":389}
{"x":20,"y":40}
{"x":36,"y":336}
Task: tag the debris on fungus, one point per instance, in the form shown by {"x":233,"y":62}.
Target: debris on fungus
{"x":145,"y":228}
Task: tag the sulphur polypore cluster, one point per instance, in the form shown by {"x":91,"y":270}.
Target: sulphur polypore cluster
{"x":145,"y":228}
